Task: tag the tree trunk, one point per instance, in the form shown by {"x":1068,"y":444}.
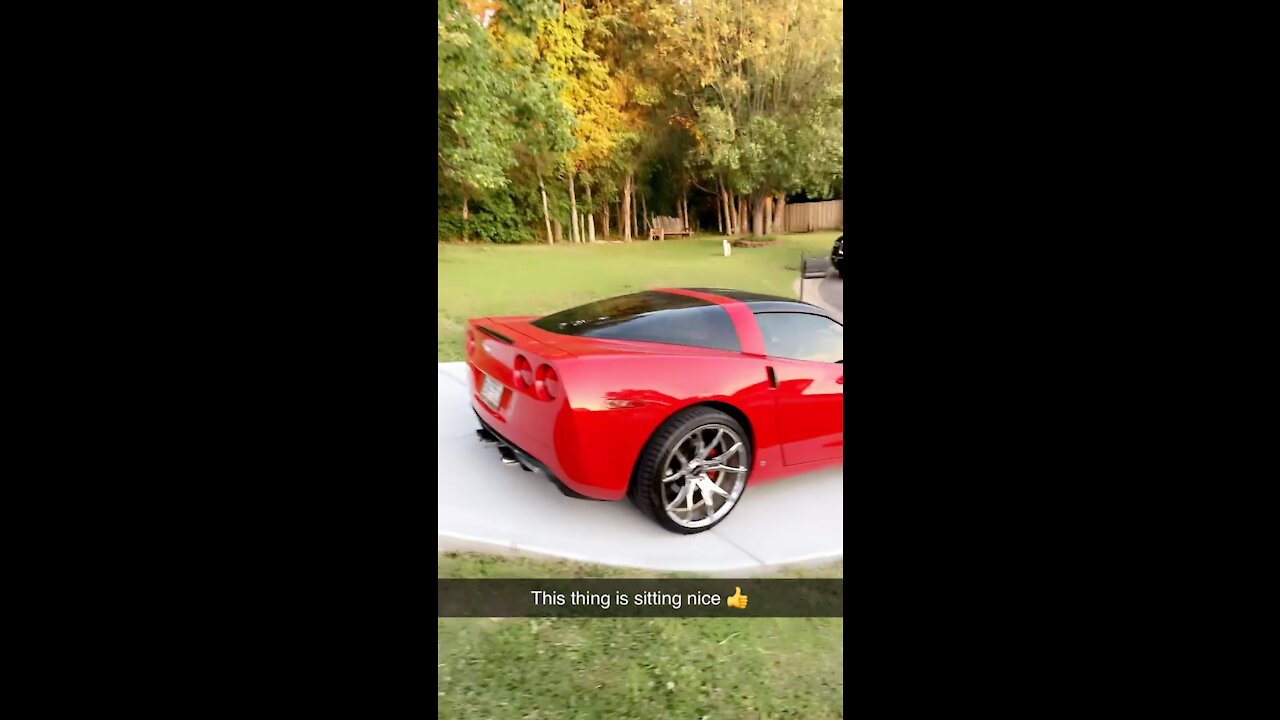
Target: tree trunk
{"x":466,"y":213}
{"x":635,"y":210}
{"x":757,"y":215}
{"x":591,"y":217}
{"x":780,"y":213}
{"x":546,"y":214}
{"x":626,"y":208}
{"x":768,"y":214}
{"x":719,"y":218}
{"x":604,"y":212}
{"x":728,"y":212}
{"x":644,"y":211}
{"x":559,"y":230}
{"x":743,"y":226}
{"x":573,"y":210}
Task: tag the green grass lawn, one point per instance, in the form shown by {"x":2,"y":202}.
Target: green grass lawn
{"x":481,"y":280}
{"x":712,"y":668}
{"x":479,"y":565}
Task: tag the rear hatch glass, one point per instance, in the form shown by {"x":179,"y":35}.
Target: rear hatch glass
{"x":648,"y":317}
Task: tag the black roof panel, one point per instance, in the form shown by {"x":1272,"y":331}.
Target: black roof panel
{"x":759,"y":302}
{"x":742,"y":295}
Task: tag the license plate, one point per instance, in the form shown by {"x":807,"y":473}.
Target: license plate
{"x":491,"y":392}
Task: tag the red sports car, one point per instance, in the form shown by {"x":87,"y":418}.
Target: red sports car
{"x":674,"y":397}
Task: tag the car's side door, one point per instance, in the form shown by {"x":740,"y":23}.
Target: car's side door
{"x":805,"y":356}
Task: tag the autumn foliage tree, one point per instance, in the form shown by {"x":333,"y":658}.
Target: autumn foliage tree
{"x":646,"y":103}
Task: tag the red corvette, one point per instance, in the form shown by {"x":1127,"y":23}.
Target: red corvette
{"x":673,"y":397}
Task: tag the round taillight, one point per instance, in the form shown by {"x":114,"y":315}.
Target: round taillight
{"x":546,"y":384}
{"x":523,"y":376}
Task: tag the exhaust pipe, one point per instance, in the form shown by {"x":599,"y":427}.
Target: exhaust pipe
{"x":488,"y":439}
{"x":508,"y":457}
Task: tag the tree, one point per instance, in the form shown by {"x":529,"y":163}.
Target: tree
{"x":617,"y":34}
{"x":586,"y":89}
{"x":474,"y":144}
{"x":501,"y":124}
{"x":542,"y":121}
{"x":755,"y":77}
{"x":552,"y":112}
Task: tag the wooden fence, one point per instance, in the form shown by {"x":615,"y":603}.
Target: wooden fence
{"x":806,"y":217}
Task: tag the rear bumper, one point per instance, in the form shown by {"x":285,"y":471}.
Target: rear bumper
{"x":531,"y":462}
{"x":557,"y":441}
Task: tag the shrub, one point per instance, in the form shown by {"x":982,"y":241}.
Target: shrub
{"x":493,"y":219}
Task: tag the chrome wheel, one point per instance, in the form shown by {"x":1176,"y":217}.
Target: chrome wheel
{"x":703,"y":476}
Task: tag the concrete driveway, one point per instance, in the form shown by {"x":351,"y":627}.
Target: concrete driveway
{"x":486,"y":506}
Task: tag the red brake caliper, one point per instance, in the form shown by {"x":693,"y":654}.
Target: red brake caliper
{"x":712,"y":474}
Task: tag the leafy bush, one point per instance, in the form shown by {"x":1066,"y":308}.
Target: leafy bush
{"x":493,"y":219}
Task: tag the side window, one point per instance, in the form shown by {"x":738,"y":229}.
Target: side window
{"x":799,"y":336}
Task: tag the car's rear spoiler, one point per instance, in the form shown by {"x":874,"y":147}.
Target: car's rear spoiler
{"x":495,"y":334}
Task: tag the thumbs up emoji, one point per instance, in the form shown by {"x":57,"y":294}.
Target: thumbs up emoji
{"x":737,"y":599}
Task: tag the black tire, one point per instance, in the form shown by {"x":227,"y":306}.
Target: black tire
{"x":646,"y":481}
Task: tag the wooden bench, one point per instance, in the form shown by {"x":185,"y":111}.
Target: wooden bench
{"x":664,"y":226}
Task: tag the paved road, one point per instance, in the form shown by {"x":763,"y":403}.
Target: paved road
{"x":831,"y":291}
{"x":827,"y":292}
{"x":485,"y":506}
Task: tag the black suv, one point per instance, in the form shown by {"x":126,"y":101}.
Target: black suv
{"x":837,"y":255}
